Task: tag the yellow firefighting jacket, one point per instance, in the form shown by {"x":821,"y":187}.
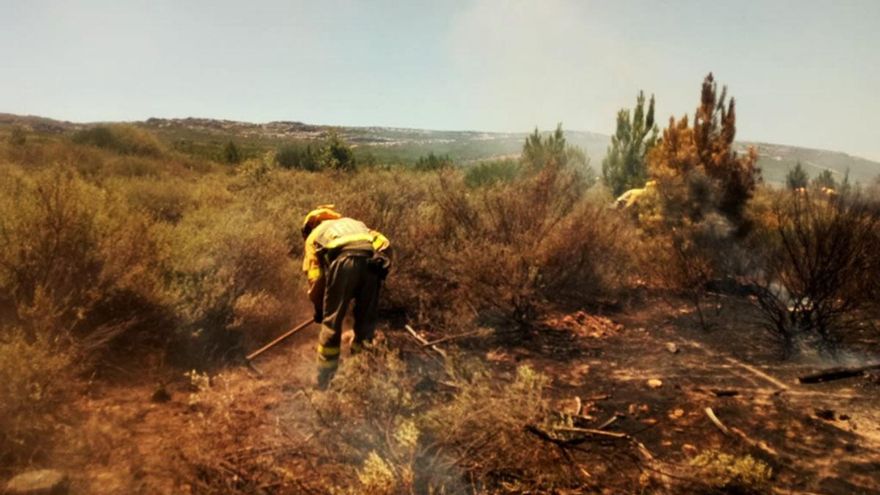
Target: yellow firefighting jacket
{"x":330,"y":235}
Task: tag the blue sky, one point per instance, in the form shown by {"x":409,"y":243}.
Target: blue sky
{"x":804,"y":72}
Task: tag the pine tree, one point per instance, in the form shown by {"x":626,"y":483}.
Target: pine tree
{"x":825,"y":179}
{"x":231,"y":154}
{"x":696,"y":167}
{"x":797,"y":178}
{"x":539,"y":152}
{"x":553,"y":150}
{"x":625,"y":165}
{"x":336,"y":154}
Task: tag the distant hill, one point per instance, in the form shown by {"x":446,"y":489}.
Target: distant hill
{"x":389,"y":144}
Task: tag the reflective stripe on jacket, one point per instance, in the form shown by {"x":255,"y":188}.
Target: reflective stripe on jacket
{"x":336,"y":234}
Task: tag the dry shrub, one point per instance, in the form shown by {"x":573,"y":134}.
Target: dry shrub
{"x":120,"y":138}
{"x":812,"y":254}
{"x":458,"y":252}
{"x":234,"y":283}
{"x":221,"y":453}
{"x":693,"y":257}
{"x":369,"y":419}
{"x":514,"y":245}
{"x":384,"y":428}
{"x":166,"y":199}
{"x":37,"y":154}
{"x":725,"y":473}
{"x":80,"y":264}
{"x":399,"y":204}
{"x":35,"y":382}
{"x":483,"y":427}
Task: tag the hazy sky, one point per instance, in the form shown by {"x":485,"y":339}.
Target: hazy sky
{"x":803,"y":72}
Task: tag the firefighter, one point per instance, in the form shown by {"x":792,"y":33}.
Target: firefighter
{"x":345,"y":262}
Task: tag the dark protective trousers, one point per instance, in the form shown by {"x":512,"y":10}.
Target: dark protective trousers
{"x":349,"y":279}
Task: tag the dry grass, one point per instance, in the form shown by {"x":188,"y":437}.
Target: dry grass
{"x":35,"y":385}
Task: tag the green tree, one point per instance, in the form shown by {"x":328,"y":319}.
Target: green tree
{"x":696,"y":168}
{"x":231,"y":154}
{"x":625,"y":165}
{"x":298,"y":156}
{"x":797,"y":178}
{"x":336,"y":154}
{"x":825,"y":179}
{"x":433,"y":162}
{"x":540,"y":152}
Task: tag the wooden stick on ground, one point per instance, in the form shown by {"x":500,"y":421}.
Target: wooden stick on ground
{"x":453,"y":337}
{"x":716,"y":421}
{"x":424,"y":342}
{"x":837,"y":374}
{"x":739,"y":433}
{"x":608,"y":423}
{"x":592,"y":431}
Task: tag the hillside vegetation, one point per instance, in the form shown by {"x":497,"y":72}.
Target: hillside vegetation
{"x":206,"y":139}
{"x":132,"y":253}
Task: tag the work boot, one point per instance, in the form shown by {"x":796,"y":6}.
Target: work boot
{"x":324,"y":378}
{"x":359,"y":347}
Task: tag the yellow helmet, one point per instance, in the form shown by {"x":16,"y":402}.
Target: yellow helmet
{"x":318,"y":215}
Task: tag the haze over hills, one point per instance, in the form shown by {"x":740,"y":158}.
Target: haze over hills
{"x":406,"y":145}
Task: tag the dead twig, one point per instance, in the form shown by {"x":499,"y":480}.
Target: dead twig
{"x":424,"y":342}
{"x":454,"y":337}
{"x":608,"y":423}
{"x":592,"y":431}
{"x":733,"y":431}
{"x":711,"y":414}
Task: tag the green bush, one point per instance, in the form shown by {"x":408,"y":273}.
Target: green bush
{"x":303,"y":157}
{"x":431,"y":162}
{"x":488,"y":173}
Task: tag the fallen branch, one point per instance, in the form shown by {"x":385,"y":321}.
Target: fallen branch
{"x":724,"y":392}
{"x":592,"y":431}
{"x":424,"y":342}
{"x":837,"y":374}
{"x":760,"y":445}
{"x":608,"y":423}
{"x":454,"y":337}
{"x":716,"y":421}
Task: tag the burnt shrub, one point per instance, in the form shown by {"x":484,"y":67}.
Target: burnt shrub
{"x":815,"y":253}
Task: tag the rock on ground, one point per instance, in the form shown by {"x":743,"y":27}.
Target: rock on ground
{"x":41,"y":482}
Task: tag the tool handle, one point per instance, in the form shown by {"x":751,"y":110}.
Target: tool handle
{"x":279,"y":339}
